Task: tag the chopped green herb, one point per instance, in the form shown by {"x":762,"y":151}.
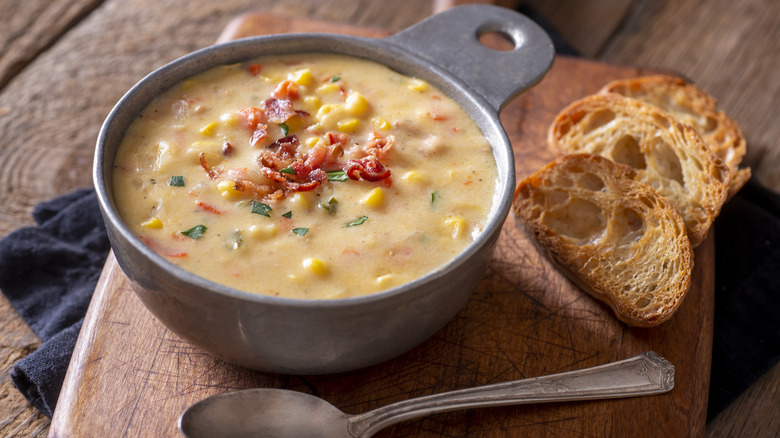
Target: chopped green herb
{"x":335,"y":78}
{"x":289,"y":170}
{"x":331,"y":205}
{"x":336,"y":175}
{"x":285,"y":128}
{"x":358,"y":221}
{"x":195,"y":232}
{"x":433,"y":197}
{"x":300,"y":231}
{"x":260,"y":208}
{"x":177,"y":181}
{"x":288,"y":215}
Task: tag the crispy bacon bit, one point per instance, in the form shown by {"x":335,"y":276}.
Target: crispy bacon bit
{"x":332,"y":158}
{"x":286,"y":90}
{"x":368,"y":168}
{"x":227,"y":148}
{"x":278,"y":110}
{"x":279,"y":153}
{"x":254,"y":69}
{"x":213,"y":174}
{"x":337,"y":138}
{"x":379,"y":146}
{"x":251,"y":117}
{"x":316,"y":156}
{"x":258,"y":191}
{"x":259,"y":134}
{"x":208,"y":208}
{"x":273,"y":174}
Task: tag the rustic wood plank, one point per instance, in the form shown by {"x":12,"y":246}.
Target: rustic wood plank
{"x":729,"y":49}
{"x":27,"y":28}
{"x":754,"y":413}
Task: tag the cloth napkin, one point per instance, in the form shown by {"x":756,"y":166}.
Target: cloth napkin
{"x":48,"y":273}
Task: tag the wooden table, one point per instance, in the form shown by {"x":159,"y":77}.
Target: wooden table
{"x":63,"y":64}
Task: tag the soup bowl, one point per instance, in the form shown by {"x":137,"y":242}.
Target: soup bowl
{"x":295,"y":336}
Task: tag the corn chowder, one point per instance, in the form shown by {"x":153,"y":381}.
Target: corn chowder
{"x":305,"y":176}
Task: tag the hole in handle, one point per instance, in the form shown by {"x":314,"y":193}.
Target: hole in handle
{"x":497,"y":40}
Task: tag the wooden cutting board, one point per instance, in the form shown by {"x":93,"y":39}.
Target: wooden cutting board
{"x":130,"y":376}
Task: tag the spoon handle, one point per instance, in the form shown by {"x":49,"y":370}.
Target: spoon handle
{"x":645,"y":374}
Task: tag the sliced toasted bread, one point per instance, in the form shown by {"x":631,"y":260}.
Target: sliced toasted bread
{"x":666,"y":154}
{"x":614,"y":236}
{"x":691,"y":105}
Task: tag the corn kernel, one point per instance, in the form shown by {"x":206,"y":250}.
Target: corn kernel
{"x":294,"y":123}
{"x":152,"y":223}
{"x":209,"y":129}
{"x":418,"y":85}
{"x":329,"y":88}
{"x":456,"y":226}
{"x":316,"y":266}
{"x":311,"y":141}
{"x":375,"y":197}
{"x":263,"y":231}
{"x":188,"y":83}
{"x":413,"y":177}
{"x":228,"y":190}
{"x":356,"y":104}
{"x":381,"y":123}
{"x":312,"y":102}
{"x":329,"y":115}
{"x":229,"y":119}
{"x":349,"y":125}
{"x":303,"y":77}
{"x":299,"y":200}
{"x":326,"y":109}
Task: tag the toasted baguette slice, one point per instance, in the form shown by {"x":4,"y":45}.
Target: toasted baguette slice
{"x":613,"y":235}
{"x":667,"y":155}
{"x":691,"y":105}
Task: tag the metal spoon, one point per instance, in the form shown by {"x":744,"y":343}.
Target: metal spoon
{"x":282,"y":413}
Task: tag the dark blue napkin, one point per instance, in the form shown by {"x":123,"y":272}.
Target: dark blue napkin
{"x":48,"y":273}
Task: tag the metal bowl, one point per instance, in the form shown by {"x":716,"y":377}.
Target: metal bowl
{"x":326,"y":336}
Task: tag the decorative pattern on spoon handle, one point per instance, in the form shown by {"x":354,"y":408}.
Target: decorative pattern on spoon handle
{"x":645,"y":374}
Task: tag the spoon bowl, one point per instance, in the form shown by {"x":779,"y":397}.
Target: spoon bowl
{"x":280,"y":413}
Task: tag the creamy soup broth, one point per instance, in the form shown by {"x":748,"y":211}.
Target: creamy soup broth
{"x":305,"y":176}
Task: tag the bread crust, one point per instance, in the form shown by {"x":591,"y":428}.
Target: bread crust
{"x":690,"y":105}
{"x":667,"y":155}
{"x":614,"y":236}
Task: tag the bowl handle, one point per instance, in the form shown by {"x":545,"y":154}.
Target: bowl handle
{"x":450,"y":40}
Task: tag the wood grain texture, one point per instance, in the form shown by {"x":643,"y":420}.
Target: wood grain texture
{"x":27,"y":28}
{"x":525,"y":320}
